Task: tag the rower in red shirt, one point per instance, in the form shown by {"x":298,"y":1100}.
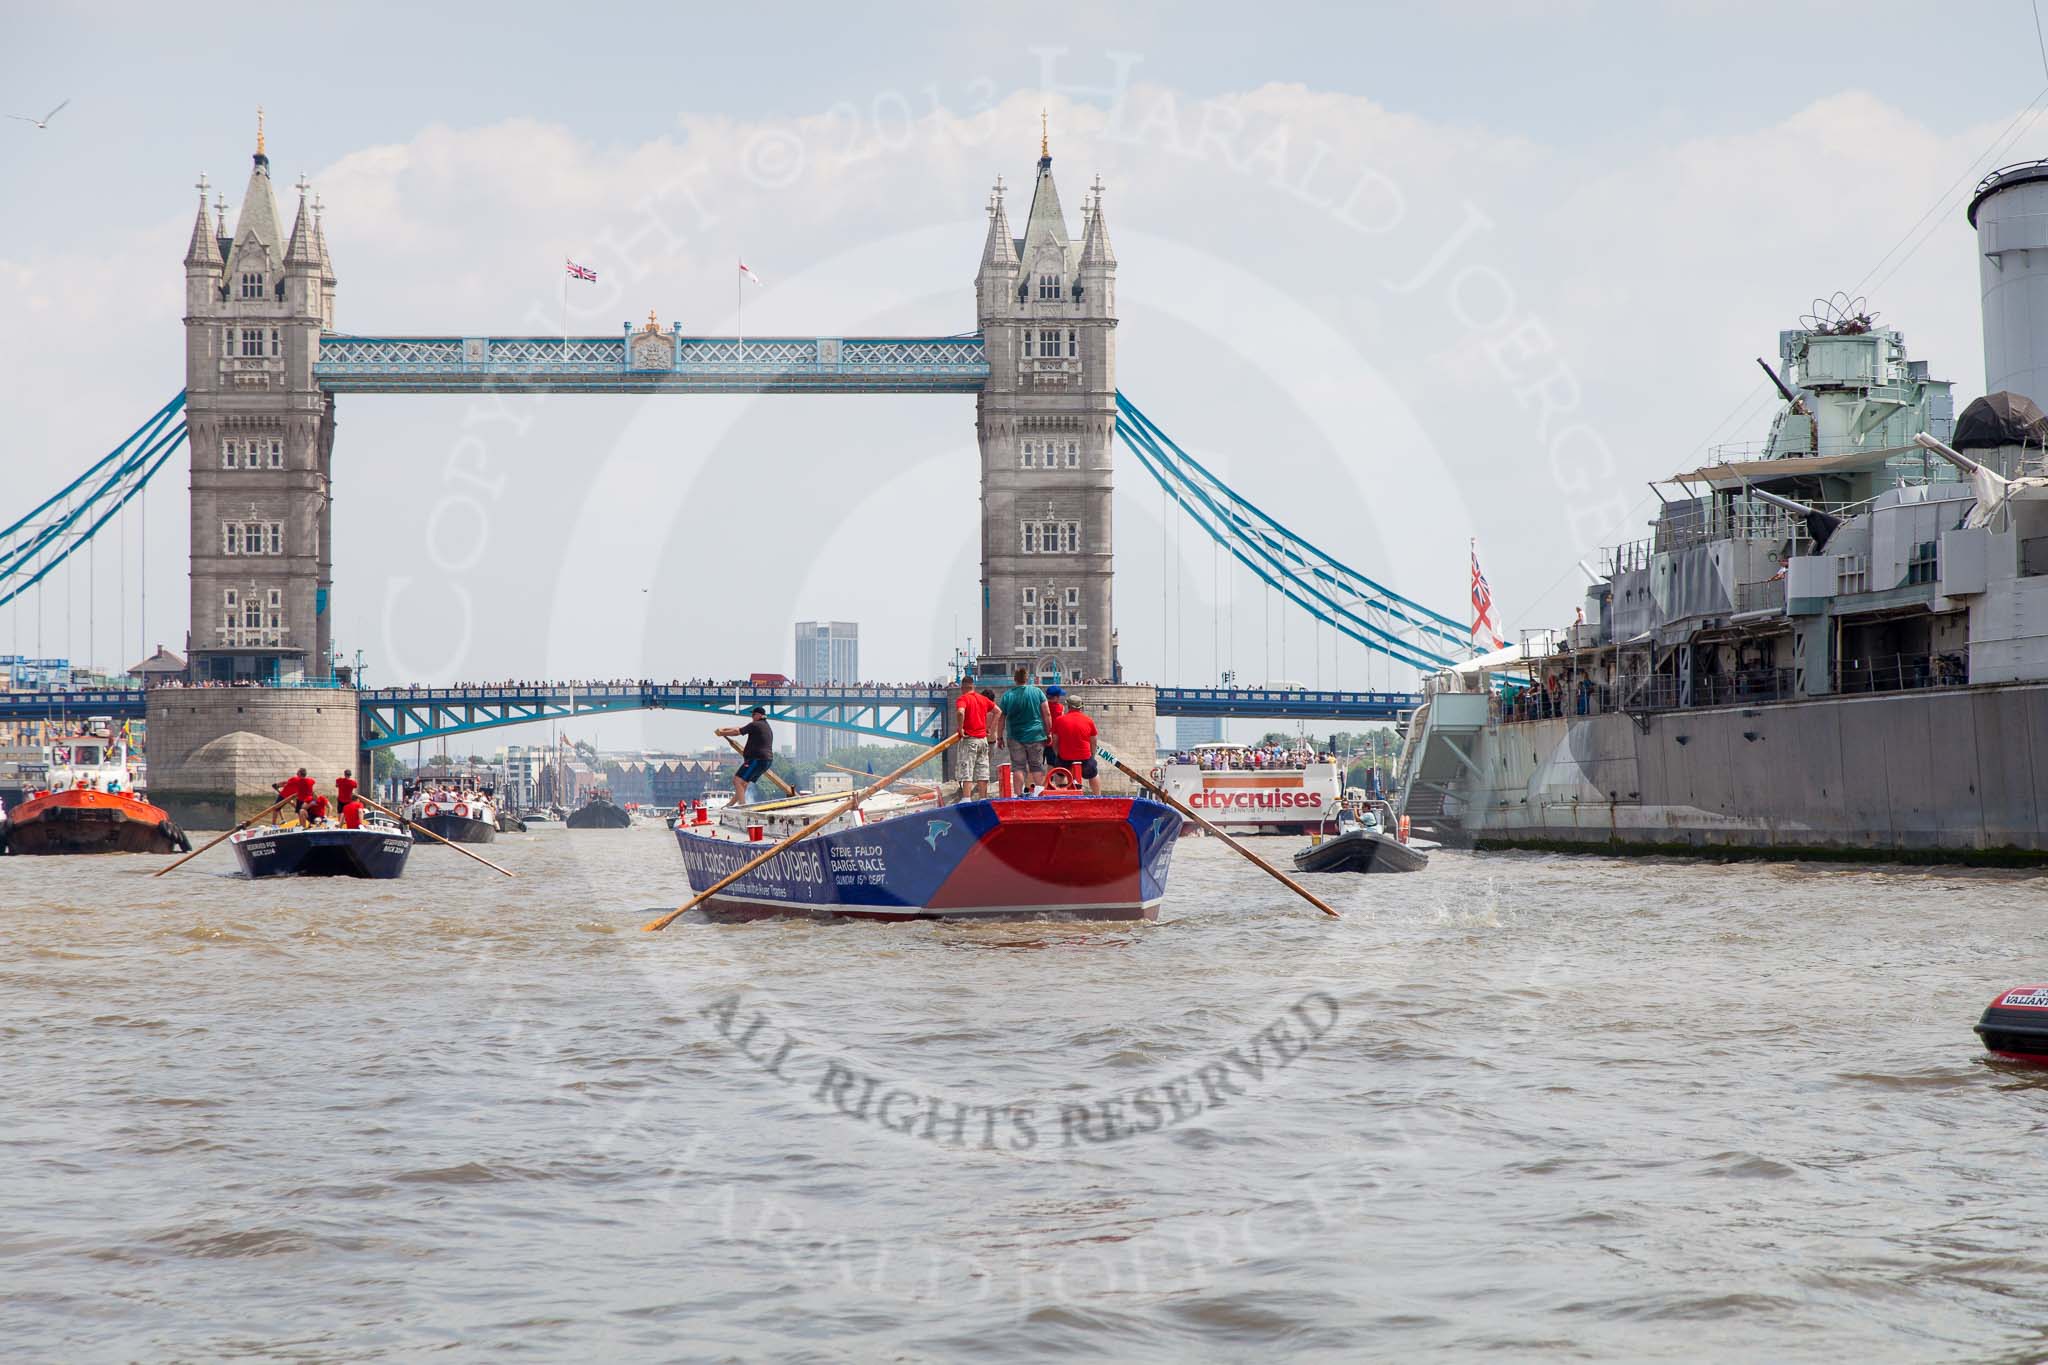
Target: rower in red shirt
{"x":297,"y":789}
{"x":345,"y":788}
{"x":351,"y":814}
{"x":1073,"y":735}
{"x":972,"y":766}
{"x":1055,"y":707}
{"x":316,"y":809}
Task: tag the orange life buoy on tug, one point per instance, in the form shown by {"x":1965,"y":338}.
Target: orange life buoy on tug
{"x":1404,"y":829}
{"x":462,"y":808}
{"x":431,"y":810}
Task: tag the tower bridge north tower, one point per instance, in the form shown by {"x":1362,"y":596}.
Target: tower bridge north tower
{"x":1046,"y":305}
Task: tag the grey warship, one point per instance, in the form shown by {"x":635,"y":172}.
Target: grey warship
{"x":1834,"y":644}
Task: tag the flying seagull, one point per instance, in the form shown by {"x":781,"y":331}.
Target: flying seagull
{"x":42,"y":122}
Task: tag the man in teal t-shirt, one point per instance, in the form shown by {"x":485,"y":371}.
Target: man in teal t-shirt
{"x":1024,"y":721}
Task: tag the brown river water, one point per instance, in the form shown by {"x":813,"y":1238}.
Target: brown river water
{"x":1514,"y":1106}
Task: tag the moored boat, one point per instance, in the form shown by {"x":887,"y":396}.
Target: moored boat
{"x":1074,"y":858}
{"x":599,"y":812}
{"x":459,"y":814}
{"x":378,"y":849}
{"x":89,"y":805}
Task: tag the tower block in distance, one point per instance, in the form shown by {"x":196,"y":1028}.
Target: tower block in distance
{"x":261,"y":435}
{"x":1046,"y":305}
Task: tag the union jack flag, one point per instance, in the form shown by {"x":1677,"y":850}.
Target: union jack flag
{"x":1485,"y":630}
{"x":580,"y":272}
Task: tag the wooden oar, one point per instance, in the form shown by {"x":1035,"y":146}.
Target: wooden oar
{"x":806,"y":832}
{"x":229,"y":835}
{"x":773,"y":776}
{"x":1275,"y":873}
{"x":430,"y":834}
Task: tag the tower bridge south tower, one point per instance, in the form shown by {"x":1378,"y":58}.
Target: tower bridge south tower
{"x":261,"y":437}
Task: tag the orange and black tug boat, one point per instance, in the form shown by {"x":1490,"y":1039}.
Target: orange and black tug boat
{"x":89,"y":805}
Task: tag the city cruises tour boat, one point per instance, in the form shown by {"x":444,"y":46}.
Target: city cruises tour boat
{"x":88,"y":804}
{"x":901,"y":857}
{"x":377,"y":848}
{"x":1252,"y":790}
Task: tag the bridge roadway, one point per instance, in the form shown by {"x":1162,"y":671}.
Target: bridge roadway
{"x":651,"y":362}
{"x":405,"y":715}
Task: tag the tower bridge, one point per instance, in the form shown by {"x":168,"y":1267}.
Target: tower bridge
{"x":391,"y":716}
{"x":266,"y":361}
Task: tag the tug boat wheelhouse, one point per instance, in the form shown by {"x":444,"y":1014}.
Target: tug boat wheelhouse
{"x":902,"y":858}
{"x":89,"y":805}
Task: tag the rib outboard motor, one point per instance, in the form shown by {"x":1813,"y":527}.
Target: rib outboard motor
{"x":2015,"y":1025}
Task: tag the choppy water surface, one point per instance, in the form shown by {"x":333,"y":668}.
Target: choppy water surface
{"x":1513,"y":1105}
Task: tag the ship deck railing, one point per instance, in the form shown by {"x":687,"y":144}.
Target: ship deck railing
{"x":1902,"y":672}
{"x":1768,"y":595}
{"x":1635,"y":693}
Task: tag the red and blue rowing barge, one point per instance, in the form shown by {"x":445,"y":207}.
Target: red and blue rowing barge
{"x":1047,"y":857}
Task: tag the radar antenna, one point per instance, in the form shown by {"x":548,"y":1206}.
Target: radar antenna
{"x":1839,"y":315}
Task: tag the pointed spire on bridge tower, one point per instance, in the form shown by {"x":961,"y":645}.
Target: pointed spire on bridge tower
{"x":326,"y":263}
{"x":204,"y":251}
{"x":1045,"y":227}
{"x":1096,"y":251}
{"x":258,"y":220}
{"x":301,"y":254}
{"x":999,"y":252}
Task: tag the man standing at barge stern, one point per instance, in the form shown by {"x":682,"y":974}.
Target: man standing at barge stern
{"x":757,"y":755}
{"x":1024,"y":721}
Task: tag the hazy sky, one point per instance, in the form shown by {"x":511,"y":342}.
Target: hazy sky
{"x":1404,"y":276}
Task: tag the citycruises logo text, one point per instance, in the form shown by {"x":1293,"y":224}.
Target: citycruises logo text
{"x":1255,"y":800}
